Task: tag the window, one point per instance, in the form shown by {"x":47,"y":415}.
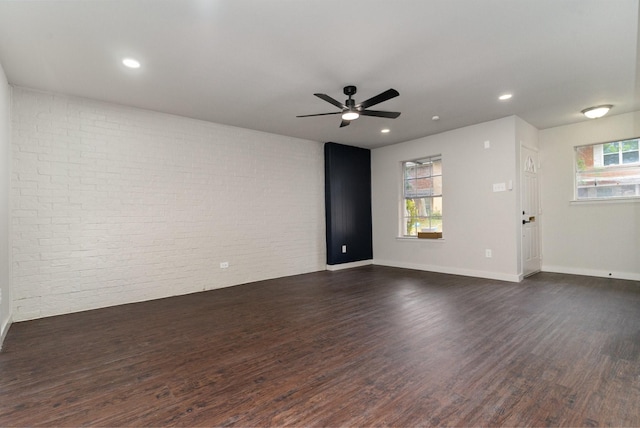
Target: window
{"x":608,"y":170}
{"x":422,"y":196}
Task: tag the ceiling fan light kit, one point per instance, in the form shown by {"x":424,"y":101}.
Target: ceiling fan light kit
{"x":350,"y":115}
{"x":351,"y":111}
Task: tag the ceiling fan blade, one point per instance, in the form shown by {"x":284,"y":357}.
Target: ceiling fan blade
{"x":377,"y":113}
{"x":319,"y":114}
{"x":386,"y":95}
{"x":330,"y":100}
{"x":344,"y":123}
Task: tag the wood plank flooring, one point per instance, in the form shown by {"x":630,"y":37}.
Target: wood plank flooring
{"x":362,"y":347}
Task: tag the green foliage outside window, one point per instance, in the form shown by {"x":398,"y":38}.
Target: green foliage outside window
{"x":412,"y":220}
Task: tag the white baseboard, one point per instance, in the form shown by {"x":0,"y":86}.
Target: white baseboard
{"x":349,"y":265}
{"x":452,"y":271}
{"x":630,"y":276}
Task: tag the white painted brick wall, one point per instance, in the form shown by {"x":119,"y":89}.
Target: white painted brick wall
{"x":114,"y":205}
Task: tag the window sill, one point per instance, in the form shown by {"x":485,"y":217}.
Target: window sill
{"x":605,"y":201}
{"x":416,"y":239}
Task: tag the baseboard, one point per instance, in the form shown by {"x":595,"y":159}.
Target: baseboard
{"x":630,"y":276}
{"x":349,"y":265}
{"x":4,"y":330}
{"x":451,"y":271}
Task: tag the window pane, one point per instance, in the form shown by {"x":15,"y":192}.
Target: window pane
{"x":437,"y":185}
{"x":629,"y":145}
{"x":410,"y":188}
{"x":409,"y":170}
{"x":423,"y":207}
{"x":583,"y":193}
{"x":630,"y":190}
{"x":611,"y":159}
{"x":422,"y":215}
{"x":436,"y":213}
{"x":630,"y":157}
{"x":611,"y":148}
{"x":437,"y":167}
{"x":410,"y":218}
{"x":424,"y":170}
{"x":424,"y":187}
{"x":603,"y":192}
{"x":584,"y":157}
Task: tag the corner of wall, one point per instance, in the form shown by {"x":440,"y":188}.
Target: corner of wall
{"x":6,"y":304}
{"x":4,"y":329}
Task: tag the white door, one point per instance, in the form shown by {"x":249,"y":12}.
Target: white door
{"x":531,"y":258}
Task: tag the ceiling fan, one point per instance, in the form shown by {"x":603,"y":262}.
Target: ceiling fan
{"x":351,"y":111}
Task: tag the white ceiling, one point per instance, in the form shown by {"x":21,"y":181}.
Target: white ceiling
{"x":256,"y":63}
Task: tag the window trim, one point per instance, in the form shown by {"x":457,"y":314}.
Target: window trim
{"x":598,"y":163}
{"x":401,"y":235}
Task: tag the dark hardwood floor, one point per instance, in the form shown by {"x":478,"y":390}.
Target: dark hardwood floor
{"x":362,"y":347}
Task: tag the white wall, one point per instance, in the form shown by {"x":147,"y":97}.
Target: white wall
{"x":589,"y":238}
{"x":5,"y":166}
{"x":474,"y":217}
{"x":113,"y":205}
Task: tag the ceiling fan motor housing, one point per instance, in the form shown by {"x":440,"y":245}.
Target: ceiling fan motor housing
{"x":350,"y":103}
{"x":350,"y":90}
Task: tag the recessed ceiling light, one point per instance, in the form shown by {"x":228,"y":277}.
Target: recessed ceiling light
{"x":385,"y":130}
{"x":505,"y":97}
{"x":131,"y":63}
{"x":596,"y":112}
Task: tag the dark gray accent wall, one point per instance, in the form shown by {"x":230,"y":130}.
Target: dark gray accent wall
{"x":348,"y":203}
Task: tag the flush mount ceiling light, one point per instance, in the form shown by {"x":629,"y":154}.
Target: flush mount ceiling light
{"x":597,"y":111}
{"x":131,"y":63}
{"x":385,"y":130}
{"x":350,"y":115}
{"x":505,"y":97}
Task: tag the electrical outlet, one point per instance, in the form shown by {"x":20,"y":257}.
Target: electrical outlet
{"x":488,"y":254}
{"x":344,"y":249}
{"x":224,"y":265}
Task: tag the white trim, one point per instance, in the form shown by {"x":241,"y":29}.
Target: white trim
{"x":630,"y":276}
{"x":350,"y":265}
{"x":533,"y":149}
{"x":416,"y":239}
{"x":451,"y":270}
{"x":620,"y":200}
{"x":4,"y":330}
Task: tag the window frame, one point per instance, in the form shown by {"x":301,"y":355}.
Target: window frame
{"x":435,"y":175}
{"x":593,"y":181}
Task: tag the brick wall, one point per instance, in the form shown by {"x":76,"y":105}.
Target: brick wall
{"x":113,"y":205}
